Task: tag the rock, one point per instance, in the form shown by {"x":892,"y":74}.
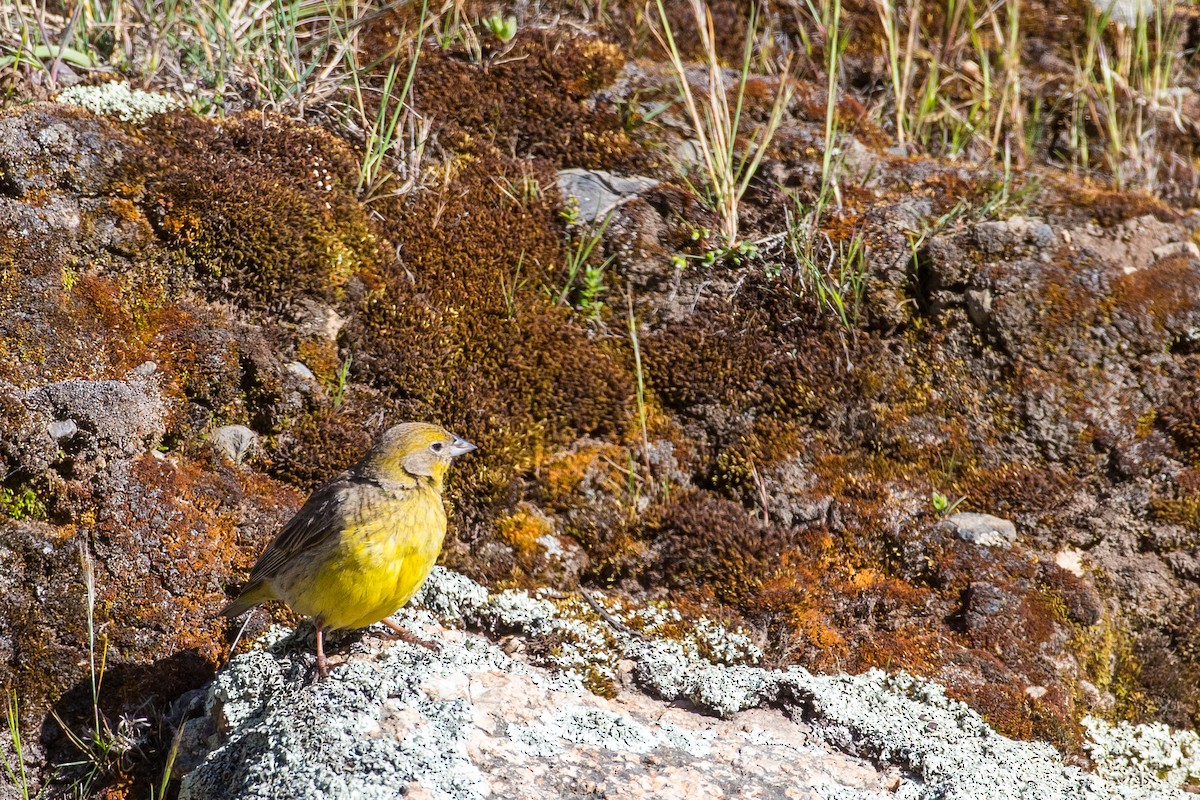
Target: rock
{"x":26,"y":445}
{"x":300,"y":371}
{"x":125,"y":416}
{"x":471,"y":721}
{"x":53,"y":147}
{"x":997,"y":236}
{"x":985,"y":599}
{"x":979,"y":307}
{"x":233,"y":441}
{"x":317,"y":320}
{"x":983,"y":529}
{"x":62,"y":428}
{"x":597,"y":192}
{"x":1176,"y":249}
{"x":1083,"y":602}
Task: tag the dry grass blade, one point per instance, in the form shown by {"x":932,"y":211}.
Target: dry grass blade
{"x":715,"y":123}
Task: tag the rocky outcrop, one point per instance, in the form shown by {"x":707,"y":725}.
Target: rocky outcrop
{"x":477,"y":719}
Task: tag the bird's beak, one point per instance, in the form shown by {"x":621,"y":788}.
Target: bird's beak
{"x":460,"y":446}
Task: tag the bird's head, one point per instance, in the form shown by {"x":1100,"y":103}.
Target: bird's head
{"x":410,"y":451}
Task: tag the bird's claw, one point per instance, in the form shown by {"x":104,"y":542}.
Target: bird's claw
{"x":406,"y":635}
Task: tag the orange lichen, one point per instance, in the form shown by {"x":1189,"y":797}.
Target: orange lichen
{"x":523,"y":530}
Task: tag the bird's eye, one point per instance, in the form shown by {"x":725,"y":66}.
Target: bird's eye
{"x":437,"y":447}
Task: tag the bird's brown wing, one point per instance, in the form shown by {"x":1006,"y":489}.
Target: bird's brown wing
{"x":321,"y":518}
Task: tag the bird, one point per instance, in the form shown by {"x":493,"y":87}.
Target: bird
{"x":362,"y":544}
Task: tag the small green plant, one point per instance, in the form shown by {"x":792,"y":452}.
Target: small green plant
{"x":21,"y":504}
{"x":519,"y":194}
{"x":453,"y":27}
{"x":510,"y":289}
{"x":836,"y":274}
{"x":899,"y":61}
{"x":738,"y":253}
{"x":578,"y":262}
{"x":641,"y":384}
{"x":16,"y":775}
{"x":394,"y":125}
{"x":942,"y":504}
{"x":834,"y":45}
{"x":343,"y":378}
{"x":503,"y":28}
{"x":569,"y":213}
{"x":169,"y":767}
{"x":593,"y":290}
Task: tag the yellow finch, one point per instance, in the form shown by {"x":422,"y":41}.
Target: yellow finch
{"x":363,"y":543}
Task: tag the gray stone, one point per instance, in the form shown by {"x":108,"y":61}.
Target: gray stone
{"x":597,"y":192}
{"x":233,"y":441}
{"x":979,"y":307}
{"x":983,"y":529}
{"x":49,"y":148}
{"x":301,"y":371}
{"x":62,"y":428}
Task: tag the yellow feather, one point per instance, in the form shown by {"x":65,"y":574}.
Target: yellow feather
{"x":378,"y":564}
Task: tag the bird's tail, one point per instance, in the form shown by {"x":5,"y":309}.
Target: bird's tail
{"x":255,"y":592}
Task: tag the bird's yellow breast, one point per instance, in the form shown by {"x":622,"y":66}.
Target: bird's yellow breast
{"x":384,"y":553}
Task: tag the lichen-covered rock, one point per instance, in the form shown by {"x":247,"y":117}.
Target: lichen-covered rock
{"x":45,"y":147}
{"x":470,"y":721}
{"x":120,"y":418}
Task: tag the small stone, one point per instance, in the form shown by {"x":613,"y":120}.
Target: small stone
{"x":597,"y":192}
{"x":983,"y":529}
{"x":62,"y":428}
{"x":979,"y":306}
{"x":1035,"y":692}
{"x":1071,"y":561}
{"x":1176,"y":249}
{"x":233,"y":441}
{"x":144,"y":370}
{"x":302,"y":372}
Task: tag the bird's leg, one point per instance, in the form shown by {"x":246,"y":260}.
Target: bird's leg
{"x":402,"y":633}
{"x":322,"y":661}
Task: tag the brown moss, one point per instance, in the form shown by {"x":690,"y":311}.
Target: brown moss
{"x":532,"y":101}
{"x":692,"y":365}
{"x":704,"y":541}
{"x":210,"y":184}
{"x":1013,"y":488}
{"x":319,"y":445}
{"x":1156,"y":306}
{"x":1111,"y":208}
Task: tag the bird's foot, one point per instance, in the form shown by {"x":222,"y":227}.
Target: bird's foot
{"x":404,"y":634}
{"x":323,"y":667}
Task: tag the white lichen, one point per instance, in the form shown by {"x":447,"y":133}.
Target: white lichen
{"x":118,"y":100}
{"x":1124,"y":752}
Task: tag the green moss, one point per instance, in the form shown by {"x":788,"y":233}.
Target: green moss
{"x":21,"y":504}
